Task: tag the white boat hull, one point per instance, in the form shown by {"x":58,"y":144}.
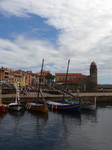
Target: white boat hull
{"x":91,"y":106}
{"x":16,"y":107}
{"x":88,"y":106}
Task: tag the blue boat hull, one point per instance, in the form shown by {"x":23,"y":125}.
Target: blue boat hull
{"x":63,"y":106}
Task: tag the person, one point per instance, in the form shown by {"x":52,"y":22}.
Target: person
{"x":26,"y":92}
{"x":29,"y":90}
{"x":78,"y":92}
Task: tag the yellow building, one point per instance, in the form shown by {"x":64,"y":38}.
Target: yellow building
{"x":11,"y":77}
{"x":16,"y":76}
{"x":26,"y":78}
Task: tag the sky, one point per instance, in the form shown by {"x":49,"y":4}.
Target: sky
{"x":56,"y":31}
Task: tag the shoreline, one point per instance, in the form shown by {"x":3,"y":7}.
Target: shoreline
{"x":100,"y":97}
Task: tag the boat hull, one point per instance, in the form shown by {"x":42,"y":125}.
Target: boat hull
{"x":63,"y":106}
{"x":91,"y":106}
{"x":36,"y":107}
{"x":84,"y":105}
{"x":3,"y":108}
{"x":16,"y":107}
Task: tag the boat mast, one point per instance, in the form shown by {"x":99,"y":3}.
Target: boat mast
{"x":18,"y":98}
{"x":67,"y":75}
{"x":40,"y":80}
{"x":15,"y":84}
{"x":66,"y":81}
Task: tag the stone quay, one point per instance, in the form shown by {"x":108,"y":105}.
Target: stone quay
{"x":100,"y":97}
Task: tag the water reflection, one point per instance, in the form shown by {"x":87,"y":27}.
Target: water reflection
{"x":91,"y":113}
{"x":16,"y":113}
{"x":72,"y":115}
{"x":2,"y":115}
{"x":39,"y":122}
{"x":57,"y":130}
{"x":39,"y":114}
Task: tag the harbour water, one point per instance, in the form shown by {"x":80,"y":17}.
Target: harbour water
{"x":88,"y":130}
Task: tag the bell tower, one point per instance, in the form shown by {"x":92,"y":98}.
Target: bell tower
{"x":93,"y":77}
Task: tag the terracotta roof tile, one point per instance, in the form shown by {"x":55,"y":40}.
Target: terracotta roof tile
{"x":78,"y":75}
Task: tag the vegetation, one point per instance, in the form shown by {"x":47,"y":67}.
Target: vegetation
{"x":50,"y":78}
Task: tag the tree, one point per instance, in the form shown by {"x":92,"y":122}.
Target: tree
{"x":49,"y":78}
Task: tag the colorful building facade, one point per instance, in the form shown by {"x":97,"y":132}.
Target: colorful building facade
{"x":25,"y":78}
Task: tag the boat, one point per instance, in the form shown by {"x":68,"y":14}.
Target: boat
{"x":84,"y":104}
{"x":40,"y":107}
{"x":36,"y":107}
{"x":64,"y":106}
{"x":3,"y":107}
{"x":16,"y":106}
{"x":88,"y":104}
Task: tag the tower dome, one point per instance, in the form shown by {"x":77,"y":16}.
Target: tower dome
{"x":93,"y":64}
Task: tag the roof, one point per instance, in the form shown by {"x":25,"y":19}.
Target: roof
{"x":5,"y":69}
{"x":78,"y":75}
{"x":35,"y":74}
{"x":93,"y":64}
{"x":69,"y":74}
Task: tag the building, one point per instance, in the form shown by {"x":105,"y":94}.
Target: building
{"x":92,"y":78}
{"x":26,"y":78}
{"x":77,"y":81}
{"x":4,"y":74}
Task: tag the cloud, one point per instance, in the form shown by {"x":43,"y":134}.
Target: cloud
{"x":85,"y":34}
{"x":25,"y":52}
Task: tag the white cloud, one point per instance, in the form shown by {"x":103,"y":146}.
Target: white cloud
{"x":85,"y":34}
{"x":27,"y":53}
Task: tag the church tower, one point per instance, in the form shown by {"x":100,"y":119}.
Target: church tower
{"x":93,"y":77}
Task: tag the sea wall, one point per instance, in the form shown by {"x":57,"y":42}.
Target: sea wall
{"x":99,"y":99}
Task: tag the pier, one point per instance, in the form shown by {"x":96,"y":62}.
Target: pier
{"x":100,"y":97}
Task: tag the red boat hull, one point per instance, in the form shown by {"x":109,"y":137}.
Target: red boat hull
{"x":2,"y":108}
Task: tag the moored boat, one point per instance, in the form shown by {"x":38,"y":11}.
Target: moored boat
{"x":37,"y":106}
{"x":89,"y":104}
{"x":84,"y":104}
{"x":3,"y":107}
{"x":16,"y":106}
{"x":63,"y":106}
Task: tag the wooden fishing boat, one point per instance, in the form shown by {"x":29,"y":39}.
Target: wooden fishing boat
{"x":89,"y":104}
{"x":63,"y":106}
{"x":84,"y":104}
{"x":16,"y":106}
{"x":36,"y":106}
